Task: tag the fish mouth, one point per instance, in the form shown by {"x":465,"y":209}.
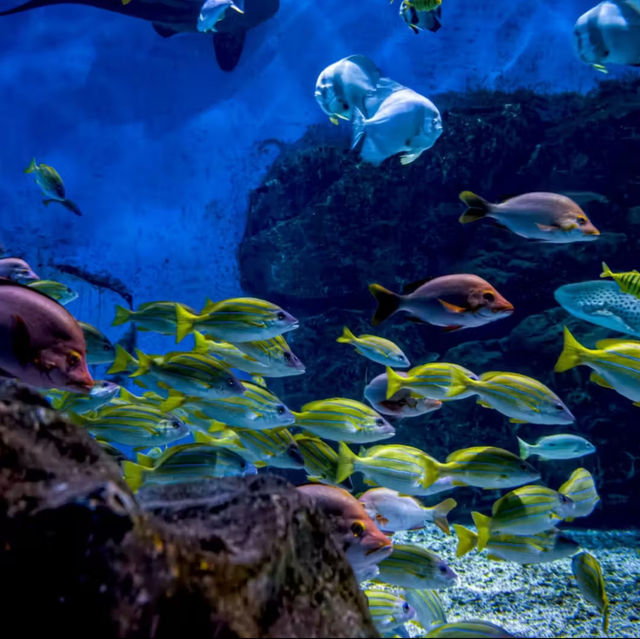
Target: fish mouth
{"x":507,"y":309}
{"x":591,"y":234}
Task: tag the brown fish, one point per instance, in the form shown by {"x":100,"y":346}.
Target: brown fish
{"x":549,"y":217}
{"x":453,"y":301}
{"x":364,"y":544}
{"x":40,"y":342}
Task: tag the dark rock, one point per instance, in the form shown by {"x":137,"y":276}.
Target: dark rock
{"x":243,"y":557}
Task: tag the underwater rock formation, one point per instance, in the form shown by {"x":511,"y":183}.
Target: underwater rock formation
{"x":230,"y":558}
{"x":323,"y":225}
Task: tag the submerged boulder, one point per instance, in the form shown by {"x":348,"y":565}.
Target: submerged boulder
{"x":238,"y":557}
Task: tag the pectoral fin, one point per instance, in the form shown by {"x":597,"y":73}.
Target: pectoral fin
{"x":547,"y":228}
{"x":453,"y":308}
{"x":598,"y":379}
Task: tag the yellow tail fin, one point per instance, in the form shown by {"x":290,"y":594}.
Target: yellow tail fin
{"x":175,"y":400}
{"x":184,"y":323}
{"x":459,"y":383}
{"x":606,"y":271}
{"x":524,"y":448}
{"x":346,"y":461}
{"x":144,"y":363}
{"x":123,"y":315}
{"x":202,"y":343}
{"x":440,"y":512}
{"x":467,"y":540}
{"x":32,"y":166}
{"x":395,"y":382}
{"x":482,"y":523}
{"x":123,"y":362}
{"x":133,"y":474}
{"x":347,"y":336}
{"x":572,"y":353}
{"x":431,"y":471}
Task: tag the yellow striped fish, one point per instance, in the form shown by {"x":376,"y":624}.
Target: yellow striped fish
{"x":228,"y":353}
{"x":615,"y":363}
{"x":343,"y":419}
{"x":388,"y":611}
{"x":581,"y":489}
{"x":411,"y":566}
{"x":377,"y":349}
{"x":240,"y":319}
{"x":428,"y":607}
{"x":588,"y":573}
{"x":470,"y":628}
{"x":629,"y":281}
{"x":274,"y":354}
{"x":432,"y":380}
{"x":159,"y":317}
{"x":100,"y":395}
{"x":320,"y":460}
{"x":61,"y":293}
{"x":275,"y":447}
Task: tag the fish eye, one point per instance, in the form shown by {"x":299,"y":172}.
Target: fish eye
{"x":281,"y":409}
{"x":280,"y":315}
{"x":489,"y":296}
{"x":231,"y":382}
{"x":73,"y":359}
{"x":176,"y":423}
{"x":581,"y":220}
{"x":287,"y":356}
{"x":379,"y":421}
{"x":357,"y":528}
{"x":405,"y":607}
{"x":442,"y":569}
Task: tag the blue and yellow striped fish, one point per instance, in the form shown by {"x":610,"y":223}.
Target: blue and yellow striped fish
{"x":275,"y":355}
{"x":432,"y":380}
{"x":100,"y":395}
{"x":468,"y":629}
{"x":588,"y":573}
{"x":428,"y":607}
{"x":388,"y":611}
{"x":275,"y":447}
{"x":581,"y":489}
{"x":158,"y":317}
{"x":377,"y":349}
{"x":629,"y":281}
{"x":320,"y":460}
{"x":410,"y":566}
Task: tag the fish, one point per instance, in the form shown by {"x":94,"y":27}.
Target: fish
{"x":561,"y":446}
{"x":227,"y":353}
{"x":392,"y":511}
{"x":453,"y":301}
{"x":523,"y":399}
{"x":388,"y":611}
{"x":275,"y":447}
{"x":320,"y":460}
{"x":629,"y":281}
{"x":421,"y":19}
{"x":221,"y":436}
{"x":100,"y":395}
{"x":615,"y":363}
{"x":403,"y":403}
{"x":406,"y":469}
{"x":115,"y":453}
{"x":405,"y":122}
{"x":527,"y":510}
{"x":48,"y":179}
{"x":601,"y":303}
{"x":410,"y":566}
{"x":347,"y":84}
{"x":542,"y":547}
{"x":158,"y":317}
{"x":57,"y":291}
{"x":68,"y":204}
{"x":41,"y":343}
{"x":136,"y":425}
{"x":428,"y":607}
{"x":364,"y":545}
{"x":212,"y":12}
{"x":588,"y":573}
{"x":377,"y":349}
{"x":125,"y":362}
{"x":16,"y":269}
{"x":609,"y":33}
{"x":548,"y":217}
{"x":424,"y":5}
{"x":242,"y":319}
{"x":581,"y":489}
{"x":99,"y":348}
{"x":469,"y":628}
{"x":169,"y":17}
{"x":183,"y":463}
{"x":342,"y":419}
{"x":432,"y":381}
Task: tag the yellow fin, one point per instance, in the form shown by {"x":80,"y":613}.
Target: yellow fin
{"x":347,"y":336}
{"x":599,"y":380}
{"x":133,"y":474}
{"x":452,"y":307}
{"x":467,"y":540}
{"x":346,"y":461}
{"x":572,"y":353}
{"x":482,"y":523}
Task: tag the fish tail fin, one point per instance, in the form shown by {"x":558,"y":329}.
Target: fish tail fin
{"x":431,"y":472}
{"x":347,"y":336}
{"x":606,"y":271}
{"x":394,"y":382}
{"x":122,"y":362}
{"x":524,"y":448}
{"x":185,"y":322}
{"x":202,"y":343}
{"x":144,"y":364}
{"x":358,"y":127}
{"x":467,"y":540}
{"x":459,"y":383}
{"x":478,"y":207}
{"x":572,"y":353}
{"x":388,"y":303}
{"x":123,"y":315}
{"x":133,"y":474}
{"x":482,"y":523}
{"x":175,"y":400}
{"x":440,"y":512}
{"x":346,"y":462}
{"x":32,"y":166}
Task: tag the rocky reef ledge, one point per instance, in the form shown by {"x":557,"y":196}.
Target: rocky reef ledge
{"x":241,"y":557}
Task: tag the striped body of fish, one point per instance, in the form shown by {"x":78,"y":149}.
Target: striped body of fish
{"x":470,"y":628}
{"x":273,"y":447}
{"x":588,"y":573}
{"x":377,"y":349}
{"x":125,"y":362}
{"x":521,"y":398}
{"x":100,"y":395}
{"x":615,"y":363}
{"x":411,"y":566}
{"x":388,"y":611}
{"x":158,"y":317}
{"x":99,"y":349}
{"x":320,"y":460}
{"x":61,"y":293}
{"x":629,"y":281}
{"x":431,"y":380}
{"x":428,"y":607}
{"x":275,"y":355}
{"x":228,"y":353}
{"x":343,"y":419}
{"x":406,"y":469}
{"x":581,"y":489}
{"x":241,"y":319}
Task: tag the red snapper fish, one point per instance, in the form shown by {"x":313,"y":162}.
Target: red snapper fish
{"x":41,"y":343}
{"x":453,"y":301}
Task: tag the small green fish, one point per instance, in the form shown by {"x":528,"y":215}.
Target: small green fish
{"x":581,"y":489}
{"x":588,"y":573}
{"x":629,"y":282}
{"x":428,"y":607}
{"x":48,"y":179}
{"x":377,"y":349}
{"x":522,"y":398}
{"x":241,"y":319}
{"x":100,"y":395}
{"x":57,"y":291}
{"x":186,"y":462}
{"x":343,"y":419}
{"x":432,"y":380}
{"x":388,"y":611}
{"x":561,"y":446}
{"x":275,"y":447}
{"x":275,"y":355}
{"x":320,"y":460}
{"x":415,"y":567}
{"x":471,"y":628}
{"x":134,"y":425}
{"x":159,"y":317}
{"x":99,"y":349}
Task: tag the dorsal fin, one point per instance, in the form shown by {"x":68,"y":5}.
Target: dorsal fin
{"x":413,"y":286}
